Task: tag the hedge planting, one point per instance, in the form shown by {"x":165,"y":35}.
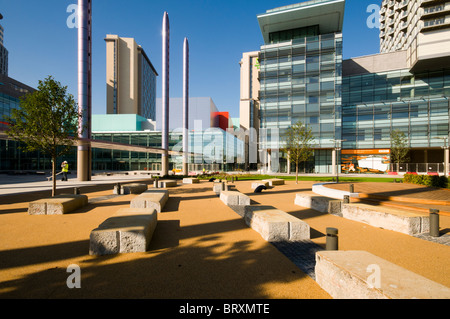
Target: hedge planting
{"x":427,"y":180}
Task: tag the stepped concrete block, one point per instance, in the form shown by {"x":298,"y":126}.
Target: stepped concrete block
{"x":274,"y":181}
{"x":129,"y":231}
{"x":134,"y":188}
{"x":407,"y":222}
{"x":320,"y":203}
{"x":276,"y":225}
{"x":361,"y":275}
{"x":191,"y":181}
{"x":234,"y":198}
{"x":256,"y":184}
{"x":167,"y":183}
{"x":58,"y":205}
{"x":152,"y":199}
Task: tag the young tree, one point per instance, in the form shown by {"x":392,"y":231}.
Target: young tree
{"x":299,"y":143}
{"x":47,"y":121}
{"x":399,"y":147}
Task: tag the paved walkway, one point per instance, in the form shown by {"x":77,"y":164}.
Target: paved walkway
{"x":201,"y":249}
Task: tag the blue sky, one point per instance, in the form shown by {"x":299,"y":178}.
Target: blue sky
{"x":41,"y":44}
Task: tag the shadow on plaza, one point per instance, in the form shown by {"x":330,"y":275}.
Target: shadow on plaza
{"x":205,"y":267}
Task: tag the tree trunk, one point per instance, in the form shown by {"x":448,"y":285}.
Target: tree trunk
{"x":296,"y":173}
{"x":53,"y":176}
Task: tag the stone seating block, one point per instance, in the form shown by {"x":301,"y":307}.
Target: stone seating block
{"x":256,"y":184}
{"x":58,"y":205}
{"x":361,"y":275}
{"x":191,"y":181}
{"x":234,"y":198}
{"x":135,"y":188}
{"x":320,"y":203}
{"x":165,"y":183}
{"x":152,"y":199}
{"x":129,"y":231}
{"x":274,"y":181}
{"x":406,"y":222}
{"x":276,"y":225}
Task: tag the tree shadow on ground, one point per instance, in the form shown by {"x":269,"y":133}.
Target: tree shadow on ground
{"x":203,"y":268}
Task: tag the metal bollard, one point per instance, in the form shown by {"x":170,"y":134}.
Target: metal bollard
{"x":332,"y":239}
{"x":118,"y":189}
{"x":352,"y":188}
{"x":434,"y":222}
{"x":155,"y":183}
{"x":346,"y":199}
{"x":76,"y":191}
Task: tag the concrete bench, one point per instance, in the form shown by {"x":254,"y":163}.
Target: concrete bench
{"x":407,"y":222}
{"x":276,"y":225}
{"x":152,"y":198}
{"x":219,"y":187}
{"x":320,"y":203}
{"x":361,"y":275}
{"x":129,"y":231}
{"x":58,"y":205}
{"x":191,"y":181}
{"x":165,"y":183}
{"x":126,"y":189}
{"x":234,"y":198}
{"x":274,"y":181}
{"x":256,"y":184}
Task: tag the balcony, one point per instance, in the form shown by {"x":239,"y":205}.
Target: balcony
{"x":435,"y":24}
{"x":426,"y":3}
{"x":435,"y":12}
{"x":403,"y":4}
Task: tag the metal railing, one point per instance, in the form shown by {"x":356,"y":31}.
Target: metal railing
{"x":419,"y":168}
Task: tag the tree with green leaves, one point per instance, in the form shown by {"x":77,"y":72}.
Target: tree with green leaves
{"x":46,"y":121}
{"x":299,"y":144}
{"x":399,"y":147}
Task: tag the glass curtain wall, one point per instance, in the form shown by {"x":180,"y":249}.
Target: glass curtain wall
{"x":376,"y":104}
{"x":301,"y":81}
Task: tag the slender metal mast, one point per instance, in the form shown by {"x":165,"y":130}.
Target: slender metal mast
{"x":165,"y":93}
{"x":185,"y":106}
{"x":84,"y":88}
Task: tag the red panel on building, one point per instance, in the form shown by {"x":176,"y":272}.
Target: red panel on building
{"x":221,"y":120}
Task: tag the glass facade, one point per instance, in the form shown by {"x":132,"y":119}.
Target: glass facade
{"x":219,"y":151}
{"x":301,"y":80}
{"x":375,"y":104}
{"x":147,"y":84}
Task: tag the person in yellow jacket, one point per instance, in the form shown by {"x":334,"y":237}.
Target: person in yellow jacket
{"x":65,"y":170}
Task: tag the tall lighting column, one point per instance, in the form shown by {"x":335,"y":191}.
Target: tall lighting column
{"x":165,"y":94}
{"x":84,"y":89}
{"x":185,"y":106}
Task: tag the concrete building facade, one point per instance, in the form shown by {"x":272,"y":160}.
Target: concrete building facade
{"x":130,"y":78}
{"x":3,"y":52}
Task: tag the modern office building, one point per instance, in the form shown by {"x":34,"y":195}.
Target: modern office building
{"x":3,"y":52}
{"x":249,"y":105}
{"x":130,"y":78}
{"x":353,"y":105}
{"x":11,"y":157}
{"x":406,"y":87}
{"x":249,"y":90}
{"x":301,"y":78}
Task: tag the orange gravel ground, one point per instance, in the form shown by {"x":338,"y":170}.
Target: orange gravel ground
{"x":201,"y":249}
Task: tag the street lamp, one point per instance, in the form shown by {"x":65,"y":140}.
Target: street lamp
{"x":446,"y":153}
{"x":337,"y":148}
